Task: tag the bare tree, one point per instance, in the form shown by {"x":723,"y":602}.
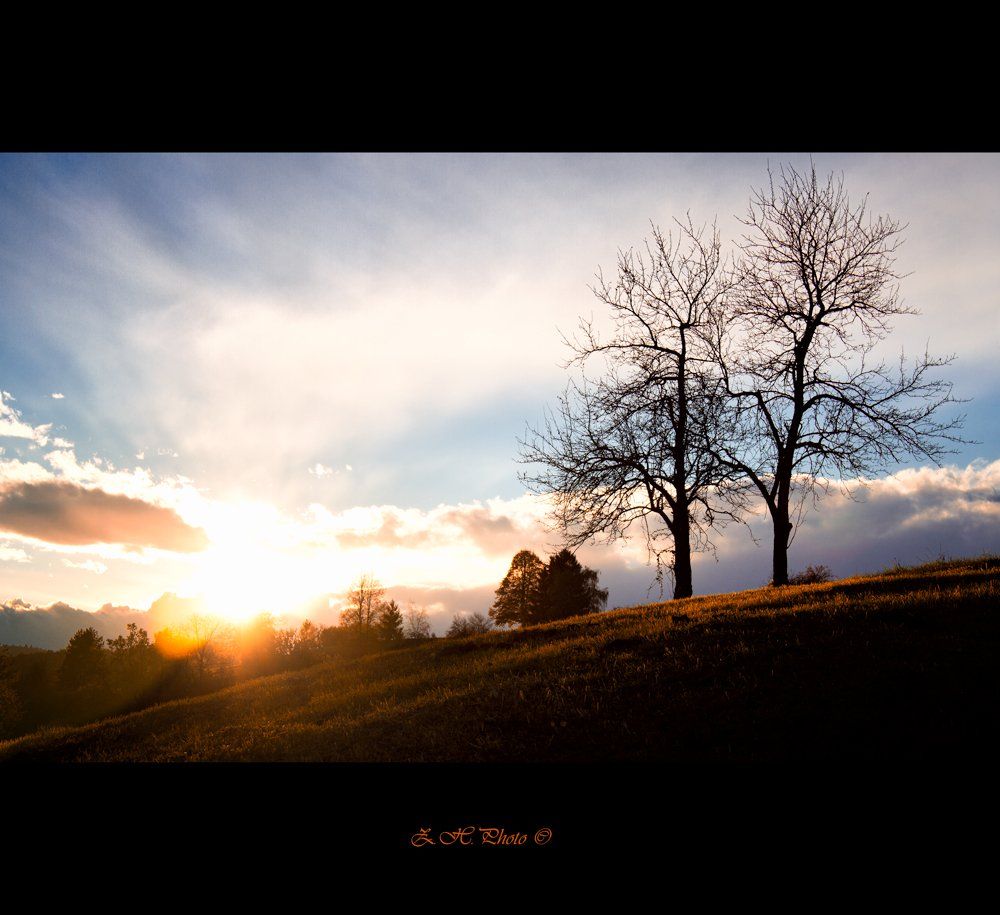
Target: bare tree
{"x":364,"y":601}
{"x":204,"y":634}
{"x":463,"y":625}
{"x":417,"y":625}
{"x":635,"y":446}
{"x":817,"y":293}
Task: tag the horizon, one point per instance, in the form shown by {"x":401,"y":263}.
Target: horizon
{"x":251,"y":379}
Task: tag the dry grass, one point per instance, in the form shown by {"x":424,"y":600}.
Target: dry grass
{"x":901,"y":664}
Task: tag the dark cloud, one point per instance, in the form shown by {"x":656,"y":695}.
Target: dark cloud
{"x":912,"y":518}
{"x":53,"y":627}
{"x":64,"y":513}
{"x":21,"y":623}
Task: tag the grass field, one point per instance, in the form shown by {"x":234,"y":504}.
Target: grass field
{"x":897,"y":665}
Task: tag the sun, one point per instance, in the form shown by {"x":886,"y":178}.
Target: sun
{"x":255,"y":563}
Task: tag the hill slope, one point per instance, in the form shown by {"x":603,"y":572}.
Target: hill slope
{"x":899,"y":664}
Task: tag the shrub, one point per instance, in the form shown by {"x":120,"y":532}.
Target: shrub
{"x":813,"y":575}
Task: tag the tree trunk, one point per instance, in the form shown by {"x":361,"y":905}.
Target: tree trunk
{"x":682,"y":514}
{"x":682,"y":554}
{"x":782,"y":528}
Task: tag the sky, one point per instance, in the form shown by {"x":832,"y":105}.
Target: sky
{"x":251,"y":378}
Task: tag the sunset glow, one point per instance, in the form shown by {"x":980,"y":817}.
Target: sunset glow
{"x":253,"y":398}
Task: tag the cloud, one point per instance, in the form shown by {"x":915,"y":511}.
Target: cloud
{"x":394,"y":531}
{"x":492,"y":532}
{"x":13,"y":554}
{"x":22,"y":623}
{"x":493,"y":527}
{"x":66,"y":513}
{"x":13,"y":426}
{"x":57,"y":396}
{"x":320,"y":470}
{"x":911,"y":516}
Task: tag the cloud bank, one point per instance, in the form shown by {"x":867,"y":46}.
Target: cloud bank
{"x":65,"y":513}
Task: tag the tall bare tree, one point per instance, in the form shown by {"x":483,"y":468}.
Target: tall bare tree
{"x":635,"y":446}
{"x":817,"y":294}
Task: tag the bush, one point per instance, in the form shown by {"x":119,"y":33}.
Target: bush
{"x":462,"y":626}
{"x":813,"y":575}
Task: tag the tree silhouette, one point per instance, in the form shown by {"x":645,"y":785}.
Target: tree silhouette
{"x":132,"y":658}
{"x":308,"y":645}
{"x":635,"y":446}
{"x":390,"y":622}
{"x":518,"y":593}
{"x":566,"y":588}
{"x":10,"y":702}
{"x":461,"y":625}
{"x":816,"y":294}
{"x":83,"y":665}
{"x":364,"y":601}
{"x":259,"y":645}
{"x":202,"y":634}
{"x":418,"y":626}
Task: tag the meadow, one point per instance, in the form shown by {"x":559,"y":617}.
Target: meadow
{"x":897,"y":665}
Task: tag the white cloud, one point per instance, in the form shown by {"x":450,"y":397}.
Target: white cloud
{"x":367,"y":297}
{"x":13,"y":554}
{"x":17,"y":471}
{"x":57,"y":396}
{"x":13,"y":426}
{"x":320,"y":470}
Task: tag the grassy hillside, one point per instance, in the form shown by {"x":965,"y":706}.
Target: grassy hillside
{"x":902,"y":664}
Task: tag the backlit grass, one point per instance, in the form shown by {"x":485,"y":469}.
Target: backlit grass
{"x":902,"y":664}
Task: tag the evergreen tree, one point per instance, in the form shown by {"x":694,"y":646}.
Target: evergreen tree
{"x":518,"y":592}
{"x":390,"y":622}
{"x":83,"y":664}
{"x":566,"y":588}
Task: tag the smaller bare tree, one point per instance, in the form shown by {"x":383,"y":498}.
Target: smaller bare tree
{"x":417,"y":624}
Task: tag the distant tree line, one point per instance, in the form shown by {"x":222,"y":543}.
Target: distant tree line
{"x":94,"y":677}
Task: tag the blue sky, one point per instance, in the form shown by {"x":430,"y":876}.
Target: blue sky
{"x":240,"y":320}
